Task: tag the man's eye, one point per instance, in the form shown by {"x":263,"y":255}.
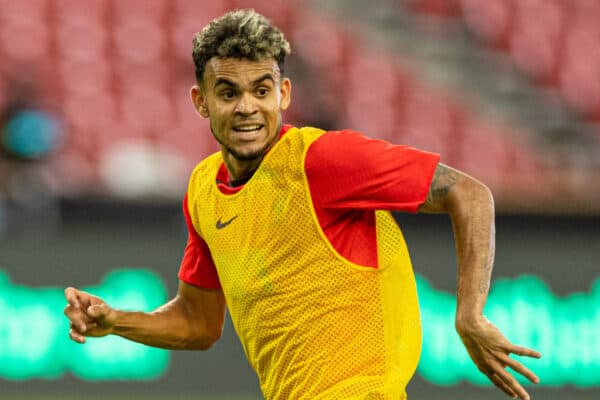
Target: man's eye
{"x":262,"y":92}
{"x":228,"y":94}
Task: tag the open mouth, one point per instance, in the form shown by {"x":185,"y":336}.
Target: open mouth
{"x":250,"y":128}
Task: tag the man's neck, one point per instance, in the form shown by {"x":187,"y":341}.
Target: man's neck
{"x":240,"y":170}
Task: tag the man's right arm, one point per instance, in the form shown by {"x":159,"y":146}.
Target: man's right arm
{"x":193,"y":320}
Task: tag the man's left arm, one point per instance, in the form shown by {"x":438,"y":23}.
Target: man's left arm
{"x":471,"y":208}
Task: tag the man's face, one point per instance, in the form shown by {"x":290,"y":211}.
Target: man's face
{"x":243,"y":100}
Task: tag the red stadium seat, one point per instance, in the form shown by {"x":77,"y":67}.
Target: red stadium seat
{"x":77,"y":172}
{"x":192,"y":141}
{"x":491,"y":20}
{"x":85,"y":78}
{"x":130,"y":76}
{"x":87,"y":110}
{"x":371,"y":82}
{"x":26,"y":41}
{"x":587,"y":9}
{"x":580,"y":71}
{"x":81,"y":40}
{"x":149,"y":10}
{"x":88,"y":9}
{"x":201,"y":12}
{"x":322,"y":45}
{"x":21,"y":10}
{"x":442,"y":8}
{"x":190,"y":17}
{"x":537,"y":38}
{"x":277,"y":11}
{"x":139,"y":41}
{"x":428,"y":120}
{"x":498,"y":156}
{"x":182,"y":35}
{"x":147,"y":109}
{"x":184,"y":112}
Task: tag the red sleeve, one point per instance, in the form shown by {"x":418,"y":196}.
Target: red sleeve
{"x":197,"y":266}
{"x":347,"y":170}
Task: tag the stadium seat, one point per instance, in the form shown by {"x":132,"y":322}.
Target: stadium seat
{"x":129,"y":76}
{"x":500,"y":156}
{"x":148,"y":10}
{"x":189,"y":17}
{"x":580,"y":70}
{"x":201,"y":12}
{"x":371,"y":81}
{"x":443,"y":8}
{"x":322,"y":45}
{"x":147,"y":109}
{"x":25,"y":41}
{"x":24,"y":10}
{"x":537,"y":37}
{"x":81,"y":40}
{"x":87,"y":110}
{"x":85,"y":78}
{"x":277,"y":11}
{"x":139,"y":41}
{"x":77,"y":172}
{"x":182,"y":35}
{"x":89,"y":9}
{"x":491,"y":20}
{"x":427,"y":121}
{"x":586,"y":9}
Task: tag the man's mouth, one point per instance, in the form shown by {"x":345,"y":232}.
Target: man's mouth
{"x":248,"y":128}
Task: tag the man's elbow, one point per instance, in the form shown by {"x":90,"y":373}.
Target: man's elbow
{"x":206,"y":339}
{"x":471,"y":194}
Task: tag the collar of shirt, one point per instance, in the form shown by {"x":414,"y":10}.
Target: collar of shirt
{"x":224,"y":182}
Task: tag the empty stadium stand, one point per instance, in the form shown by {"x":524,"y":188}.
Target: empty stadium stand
{"x":120,"y":71}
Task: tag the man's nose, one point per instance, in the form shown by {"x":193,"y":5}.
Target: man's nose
{"x":246,"y":104}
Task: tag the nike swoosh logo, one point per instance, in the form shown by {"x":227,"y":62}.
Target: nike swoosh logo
{"x":221,"y":225}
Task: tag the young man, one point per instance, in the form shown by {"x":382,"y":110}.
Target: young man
{"x":286,"y":231}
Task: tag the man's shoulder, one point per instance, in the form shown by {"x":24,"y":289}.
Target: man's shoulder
{"x":209,"y":165}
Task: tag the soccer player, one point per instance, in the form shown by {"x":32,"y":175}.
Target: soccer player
{"x":290,"y":230}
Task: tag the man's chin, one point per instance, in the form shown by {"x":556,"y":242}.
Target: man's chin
{"x":247,"y":154}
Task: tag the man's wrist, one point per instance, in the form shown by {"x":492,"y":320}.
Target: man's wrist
{"x":465,"y":322}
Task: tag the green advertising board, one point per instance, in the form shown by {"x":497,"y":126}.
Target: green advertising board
{"x":34,"y":339}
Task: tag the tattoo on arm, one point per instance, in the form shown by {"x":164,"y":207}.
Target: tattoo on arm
{"x":443,"y":180}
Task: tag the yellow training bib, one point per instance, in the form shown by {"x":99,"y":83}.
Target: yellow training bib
{"x":312,"y":324}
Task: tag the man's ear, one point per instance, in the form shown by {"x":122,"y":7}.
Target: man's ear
{"x":286,"y":93}
{"x":199,"y":101}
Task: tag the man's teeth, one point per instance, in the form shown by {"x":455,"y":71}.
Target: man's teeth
{"x":248,"y":128}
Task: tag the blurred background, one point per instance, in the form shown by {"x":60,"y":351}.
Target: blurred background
{"x":98,"y":137}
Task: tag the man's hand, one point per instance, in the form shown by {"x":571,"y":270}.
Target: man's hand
{"x":89,"y":315}
{"x":490,"y":351}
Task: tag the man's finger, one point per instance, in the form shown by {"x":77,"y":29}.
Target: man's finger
{"x":496,"y":380}
{"x":75,"y":316}
{"x":511,"y":382}
{"x":71,"y":294}
{"x":521,"y":369}
{"x":96,"y":311}
{"x":76,"y":337}
{"x":523,"y":351}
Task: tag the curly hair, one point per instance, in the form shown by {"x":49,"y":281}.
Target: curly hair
{"x":242,"y":34}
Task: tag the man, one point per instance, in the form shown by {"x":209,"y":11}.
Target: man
{"x":285,"y":230}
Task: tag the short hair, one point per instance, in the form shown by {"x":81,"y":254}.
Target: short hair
{"x":242,"y":34}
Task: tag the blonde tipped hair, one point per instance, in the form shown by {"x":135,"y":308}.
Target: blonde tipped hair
{"x":242,"y":34}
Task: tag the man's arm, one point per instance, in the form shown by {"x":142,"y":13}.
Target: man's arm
{"x":471,"y":208}
{"x":192,"y":320}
